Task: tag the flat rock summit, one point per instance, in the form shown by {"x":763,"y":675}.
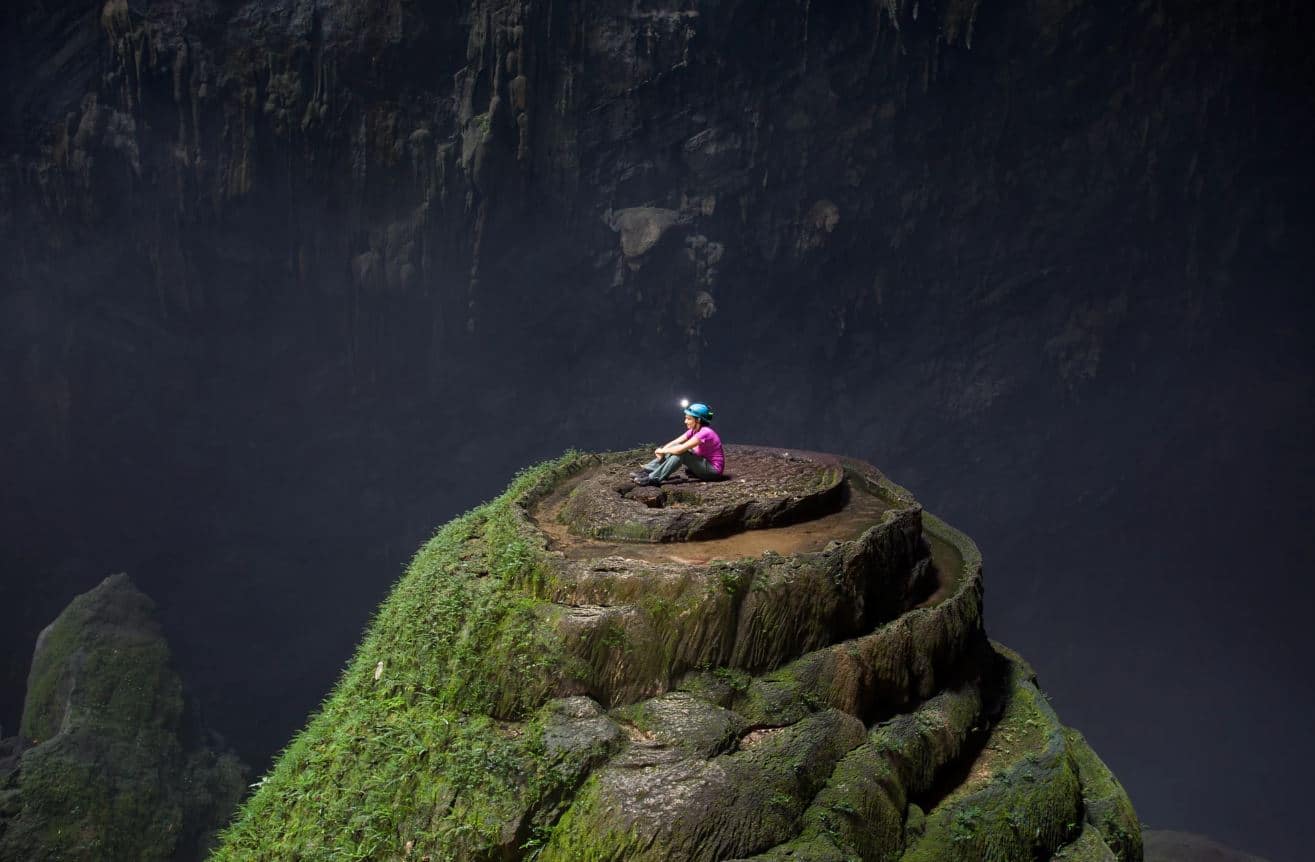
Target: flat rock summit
{"x":790,"y":663}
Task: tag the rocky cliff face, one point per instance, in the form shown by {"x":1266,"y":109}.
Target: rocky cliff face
{"x":546,"y":685}
{"x":409,"y":176}
{"x":108,"y":765}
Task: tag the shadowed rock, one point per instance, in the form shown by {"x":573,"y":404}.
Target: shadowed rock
{"x":112,"y":764}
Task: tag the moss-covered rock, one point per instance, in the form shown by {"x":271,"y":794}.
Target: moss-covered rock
{"x":1089,"y":846}
{"x":1020,"y":797}
{"x":656,"y":803}
{"x":111,"y":767}
{"x":864,"y":808}
{"x":1107,"y":807}
{"x":533,"y":691}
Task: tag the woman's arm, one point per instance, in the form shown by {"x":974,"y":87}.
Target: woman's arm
{"x":675,"y":441}
{"x":675,"y":447}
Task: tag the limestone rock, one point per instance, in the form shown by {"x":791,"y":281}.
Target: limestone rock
{"x":641,"y":228}
{"x":112,"y":766}
{"x":819,"y":687}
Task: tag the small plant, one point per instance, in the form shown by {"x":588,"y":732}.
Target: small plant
{"x":738,"y":680}
{"x":614,"y":637}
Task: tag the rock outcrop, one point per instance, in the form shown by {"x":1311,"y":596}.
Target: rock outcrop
{"x":109,"y":764}
{"x":542,"y":685}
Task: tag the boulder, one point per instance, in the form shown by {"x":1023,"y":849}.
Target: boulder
{"x":113,"y":763}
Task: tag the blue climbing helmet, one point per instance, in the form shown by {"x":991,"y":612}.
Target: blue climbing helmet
{"x":701,"y":412}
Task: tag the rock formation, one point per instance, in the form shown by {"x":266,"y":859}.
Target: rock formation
{"x":990,"y":227}
{"x":787,"y":664}
{"x":108,"y":764}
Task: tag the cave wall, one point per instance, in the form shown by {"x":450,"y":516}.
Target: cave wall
{"x":362,"y":201}
{"x":287,"y":283}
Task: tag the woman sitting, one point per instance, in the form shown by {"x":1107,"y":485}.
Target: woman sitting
{"x":699,"y":449}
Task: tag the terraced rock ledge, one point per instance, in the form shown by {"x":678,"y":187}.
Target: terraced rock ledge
{"x":787,"y":664}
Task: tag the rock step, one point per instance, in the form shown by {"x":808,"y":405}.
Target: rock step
{"x":1029,"y":793}
{"x":862,"y":811}
{"x":896,"y":666}
{"x":763,"y":488}
{"x":750,"y":615}
{"x":664,"y":804}
{"x":697,"y":782}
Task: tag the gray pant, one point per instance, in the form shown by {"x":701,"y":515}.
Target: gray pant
{"x":697,"y":465}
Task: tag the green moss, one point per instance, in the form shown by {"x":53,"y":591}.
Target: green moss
{"x":1087,"y":847}
{"x":1108,"y":808}
{"x":861,"y":812}
{"x":628,"y":531}
{"x":692,"y":808}
{"x":104,"y":659}
{"x":965,"y":547}
{"x":89,"y":795}
{"x":1021,"y":798}
{"x":635,"y":651}
{"x":431,"y":735}
{"x":575,"y":837}
{"x":108,"y":776}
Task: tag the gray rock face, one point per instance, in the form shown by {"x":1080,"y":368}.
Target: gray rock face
{"x":602,"y":179}
{"x":110,"y":765}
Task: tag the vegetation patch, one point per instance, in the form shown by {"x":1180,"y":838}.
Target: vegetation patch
{"x":107,"y":773}
{"x":1020,"y":797}
{"x":433,"y":738}
{"x":1108,"y":809}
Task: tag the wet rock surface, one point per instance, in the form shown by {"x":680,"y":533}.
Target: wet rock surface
{"x":822,"y":704}
{"x":760,"y":488}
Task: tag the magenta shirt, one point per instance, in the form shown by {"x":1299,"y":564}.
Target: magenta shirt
{"x":709,"y":446}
